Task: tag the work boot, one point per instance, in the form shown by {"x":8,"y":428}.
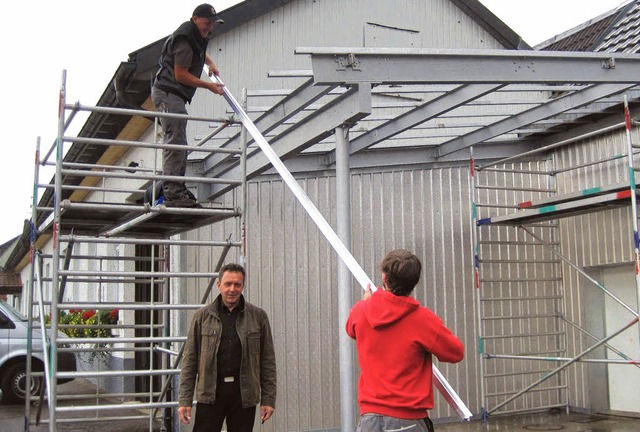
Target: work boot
{"x":182,"y":202}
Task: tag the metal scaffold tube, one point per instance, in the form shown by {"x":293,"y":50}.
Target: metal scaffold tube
{"x":566,"y":364}
{"x":476,"y":273}
{"x":634,"y":204}
{"x":57,"y":196}
{"x":31,"y":281}
{"x":508,"y":269}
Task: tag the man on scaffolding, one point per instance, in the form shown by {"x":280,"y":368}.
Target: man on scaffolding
{"x":181,"y":63}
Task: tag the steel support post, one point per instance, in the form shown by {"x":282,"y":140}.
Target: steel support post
{"x":345,"y":286}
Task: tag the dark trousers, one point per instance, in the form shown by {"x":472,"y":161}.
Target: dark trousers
{"x":429,"y":424}
{"x":209,"y":418}
{"x":174,"y":162}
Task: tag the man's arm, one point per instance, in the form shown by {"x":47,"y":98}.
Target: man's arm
{"x":447,"y":347}
{"x":268,"y":376}
{"x":183,"y":56}
{"x":183,"y":76}
{"x":213,"y":69}
{"x":189,"y":371}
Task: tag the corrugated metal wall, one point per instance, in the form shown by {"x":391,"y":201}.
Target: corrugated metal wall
{"x":292,"y":275}
{"x":592,"y":240}
{"x":293,"y":269}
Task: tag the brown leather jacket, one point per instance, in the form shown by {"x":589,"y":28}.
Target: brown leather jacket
{"x":200,"y":365}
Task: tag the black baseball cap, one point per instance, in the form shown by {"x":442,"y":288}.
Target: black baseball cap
{"x":205,"y":10}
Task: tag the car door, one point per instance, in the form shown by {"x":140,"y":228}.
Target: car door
{"x":6,"y":328}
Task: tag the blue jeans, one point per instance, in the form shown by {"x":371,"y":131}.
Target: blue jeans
{"x":174,"y":162}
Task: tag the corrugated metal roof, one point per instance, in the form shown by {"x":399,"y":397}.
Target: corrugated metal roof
{"x":624,"y":34}
{"x":614,"y":31}
{"x":584,"y":39}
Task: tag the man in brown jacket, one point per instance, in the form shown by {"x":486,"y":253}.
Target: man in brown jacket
{"x":229,"y":361}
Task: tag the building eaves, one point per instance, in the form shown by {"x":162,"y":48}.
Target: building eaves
{"x":15,"y":249}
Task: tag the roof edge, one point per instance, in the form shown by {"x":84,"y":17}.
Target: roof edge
{"x":492,"y":24}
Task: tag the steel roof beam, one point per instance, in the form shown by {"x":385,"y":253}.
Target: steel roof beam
{"x":424,"y":66}
{"x":291,"y":105}
{"x":541,"y":112}
{"x":413,"y":156}
{"x":347,"y":108}
{"x":418,"y":115}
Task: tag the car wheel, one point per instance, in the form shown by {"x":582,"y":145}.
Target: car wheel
{"x":14,"y":383}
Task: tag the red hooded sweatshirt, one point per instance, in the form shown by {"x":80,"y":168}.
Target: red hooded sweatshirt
{"x":395,"y":338}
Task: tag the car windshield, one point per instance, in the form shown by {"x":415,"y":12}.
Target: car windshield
{"x":13,"y":312}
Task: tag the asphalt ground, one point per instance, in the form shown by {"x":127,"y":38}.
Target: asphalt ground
{"x":12,"y":419}
{"x":12,"y":416}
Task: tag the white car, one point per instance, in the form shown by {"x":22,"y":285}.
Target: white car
{"x":13,"y":356}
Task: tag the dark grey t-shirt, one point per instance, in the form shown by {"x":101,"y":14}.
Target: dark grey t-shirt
{"x":182,"y":53}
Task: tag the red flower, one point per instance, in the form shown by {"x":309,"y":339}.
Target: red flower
{"x":114,"y":313}
{"x":88,"y":314}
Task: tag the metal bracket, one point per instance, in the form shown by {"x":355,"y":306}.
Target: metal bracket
{"x":609,"y":63}
{"x":348,"y":61}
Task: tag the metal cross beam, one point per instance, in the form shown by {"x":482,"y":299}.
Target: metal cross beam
{"x":429,"y":66}
{"x":349,"y":107}
{"x":291,"y":105}
{"x":540,"y":112}
{"x":418,"y":115}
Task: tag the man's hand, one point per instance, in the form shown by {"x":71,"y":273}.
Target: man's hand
{"x":213,"y":70}
{"x":367,"y":292}
{"x":216,"y":88}
{"x":185,"y":414}
{"x":266,"y":412}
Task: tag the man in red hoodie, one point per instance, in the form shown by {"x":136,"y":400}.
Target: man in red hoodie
{"x":396,"y":337}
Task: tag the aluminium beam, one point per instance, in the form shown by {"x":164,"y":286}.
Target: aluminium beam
{"x":347,"y":108}
{"x":431,"y":109}
{"x":541,"y":112}
{"x":437,"y":66}
{"x":604,"y":124}
{"x":291,"y":105}
{"x":339,"y":247}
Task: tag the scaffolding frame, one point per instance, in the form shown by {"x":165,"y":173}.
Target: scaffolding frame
{"x":537,"y":218}
{"x":148,"y":233}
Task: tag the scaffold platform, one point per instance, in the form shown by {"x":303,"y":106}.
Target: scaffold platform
{"x":564,"y":205}
{"x":142,"y":221}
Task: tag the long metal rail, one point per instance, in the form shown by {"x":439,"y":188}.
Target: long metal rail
{"x":343,"y":252}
